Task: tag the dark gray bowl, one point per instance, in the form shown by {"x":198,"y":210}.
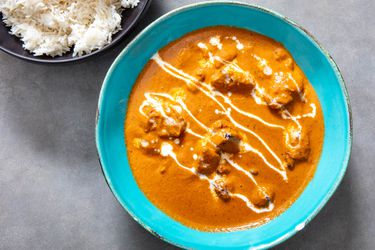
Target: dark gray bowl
{"x":13,"y":45}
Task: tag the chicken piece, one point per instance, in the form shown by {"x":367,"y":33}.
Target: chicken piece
{"x":297,"y":143}
{"x":231,"y":77}
{"x":208,"y":158}
{"x":227,"y":140}
{"x":280,"y":54}
{"x":288,"y":161}
{"x":205,"y":68}
{"x":263,"y":68}
{"x":262,"y":196}
{"x":283,"y":89}
{"x":171,"y":125}
{"x":289,"y":63}
{"x":278,"y":96}
{"x":230,"y":51}
{"x":187,"y":57}
{"x":218,"y":65}
{"x":222,"y":139}
{"x":225,"y":137}
{"x":222,"y":189}
{"x":149,"y":144}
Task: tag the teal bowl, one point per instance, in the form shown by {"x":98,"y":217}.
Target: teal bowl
{"x":310,"y":56}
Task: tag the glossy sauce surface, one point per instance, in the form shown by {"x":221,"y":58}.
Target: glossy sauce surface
{"x":223,"y":130}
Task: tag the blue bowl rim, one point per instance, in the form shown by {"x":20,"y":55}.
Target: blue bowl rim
{"x":267,"y":11}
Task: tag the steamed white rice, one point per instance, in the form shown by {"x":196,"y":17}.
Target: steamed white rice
{"x":52,"y":27}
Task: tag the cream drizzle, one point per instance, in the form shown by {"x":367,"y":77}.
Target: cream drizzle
{"x":202,"y":46}
{"x":215,"y":41}
{"x":239,"y":45}
{"x":167,"y":150}
{"x":263,"y":64}
{"x":301,"y":95}
{"x":267,"y":70}
{"x":256,"y":89}
{"x":157,"y":105}
{"x":183,"y":105}
{"x":312,"y":114}
{"x":226,"y":157}
{"x":248,"y":148}
{"x":258,"y":99}
{"x":188,"y":130}
{"x":287,"y":139}
{"x":189,"y":79}
{"x":285,"y":114}
{"x":250,"y":115}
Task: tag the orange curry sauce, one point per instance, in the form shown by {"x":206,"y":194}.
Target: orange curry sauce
{"x":223,"y":129}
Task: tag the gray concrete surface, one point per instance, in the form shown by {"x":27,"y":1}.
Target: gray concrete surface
{"x":53,"y":194}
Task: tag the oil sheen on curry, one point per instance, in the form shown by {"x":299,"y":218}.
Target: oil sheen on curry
{"x":223,"y":129}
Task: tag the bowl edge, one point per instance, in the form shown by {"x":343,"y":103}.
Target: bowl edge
{"x":289,"y":21}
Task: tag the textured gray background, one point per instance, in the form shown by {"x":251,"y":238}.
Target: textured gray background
{"x":53,"y":194}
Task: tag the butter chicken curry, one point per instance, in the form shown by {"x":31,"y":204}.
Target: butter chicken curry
{"x":223,"y":129}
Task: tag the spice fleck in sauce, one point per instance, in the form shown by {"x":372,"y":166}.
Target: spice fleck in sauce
{"x":223,"y":129}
